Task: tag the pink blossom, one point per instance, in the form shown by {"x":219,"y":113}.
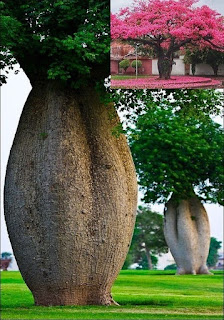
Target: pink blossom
{"x":166,"y":21}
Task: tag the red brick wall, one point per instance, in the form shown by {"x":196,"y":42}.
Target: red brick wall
{"x":145,"y":69}
{"x":114,"y":66}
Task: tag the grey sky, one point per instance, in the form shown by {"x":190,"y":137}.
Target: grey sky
{"x":217,"y":5}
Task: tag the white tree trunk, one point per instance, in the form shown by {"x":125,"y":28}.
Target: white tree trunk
{"x":187,"y":233}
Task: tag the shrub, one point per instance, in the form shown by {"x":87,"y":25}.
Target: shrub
{"x":124,"y":64}
{"x":139,"y":64}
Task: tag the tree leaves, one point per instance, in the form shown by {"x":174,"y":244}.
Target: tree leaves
{"x":69,"y":38}
{"x":175,"y":149}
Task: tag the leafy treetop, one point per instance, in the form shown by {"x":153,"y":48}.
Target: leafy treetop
{"x":175,"y":152}
{"x":148,"y":239}
{"x":62,"y":39}
{"x":169,"y":24}
{"x":148,"y":233}
{"x":131,"y":103}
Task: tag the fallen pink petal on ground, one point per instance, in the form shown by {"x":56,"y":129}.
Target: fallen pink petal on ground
{"x":175,"y":82}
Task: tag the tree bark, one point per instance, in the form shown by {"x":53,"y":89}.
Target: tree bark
{"x":148,"y":256}
{"x":187,"y":233}
{"x":215,"y":69}
{"x":164,"y":66}
{"x":70,"y":197}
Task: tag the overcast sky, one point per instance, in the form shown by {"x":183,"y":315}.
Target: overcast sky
{"x":217,"y":5}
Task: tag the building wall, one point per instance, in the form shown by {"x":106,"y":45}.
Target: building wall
{"x":205,"y":69}
{"x":177,"y":70}
{"x":146,"y":67}
{"x":113,"y":66}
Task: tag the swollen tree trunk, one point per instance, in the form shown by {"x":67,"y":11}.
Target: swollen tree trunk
{"x":148,"y":256}
{"x":165,"y":63}
{"x":187,"y":233}
{"x":70,"y":197}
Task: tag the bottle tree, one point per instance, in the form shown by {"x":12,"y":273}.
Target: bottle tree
{"x":70,"y":188}
{"x":177,"y":153}
{"x":167,"y":26}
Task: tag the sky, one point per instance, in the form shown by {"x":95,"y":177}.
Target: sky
{"x":217,"y":5}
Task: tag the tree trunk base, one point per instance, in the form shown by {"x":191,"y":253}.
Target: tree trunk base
{"x":79,"y":296}
{"x":202,"y":270}
{"x":186,"y":229}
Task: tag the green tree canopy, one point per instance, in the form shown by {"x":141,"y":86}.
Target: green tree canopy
{"x":215,"y":245}
{"x":63,"y":39}
{"x":175,"y":152}
{"x":148,"y":239}
{"x":193,"y":102}
{"x":124,"y":64}
{"x":139,"y":64}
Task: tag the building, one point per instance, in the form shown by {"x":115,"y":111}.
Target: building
{"x":120,"y":51}
{"x":220,"y":263}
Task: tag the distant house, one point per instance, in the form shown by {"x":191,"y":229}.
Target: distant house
{"x":220,"y":263}
{"x":120,"y":51}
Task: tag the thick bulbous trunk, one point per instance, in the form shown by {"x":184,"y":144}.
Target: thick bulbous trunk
{"x":187,"y":233}
{"x":164,"y":66}
{"x":70,"y":197}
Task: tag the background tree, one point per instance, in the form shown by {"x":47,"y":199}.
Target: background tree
{"x":124,"y":64}
{"x":171,"y":267}
{"x":212,"y":259}
{"x":66,"y":171}
{"x":139,"y":64}
{"x":169,"y":148}
{"x":213,"y":58}
{"x":148,"y":239}
{"x":193,"y":57}
{"x":167,"y":26}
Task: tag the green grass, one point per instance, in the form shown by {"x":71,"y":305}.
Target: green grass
{"x":123,"y":77}
{"x":141,"y":295}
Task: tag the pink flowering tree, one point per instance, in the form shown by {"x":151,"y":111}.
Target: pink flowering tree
{"x":167,"y":26}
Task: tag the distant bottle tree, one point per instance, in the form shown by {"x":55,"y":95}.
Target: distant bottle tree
{"x":178,"y":158}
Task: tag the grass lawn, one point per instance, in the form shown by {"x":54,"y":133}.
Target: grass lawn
{"x":123,"y":77}
{"x":141,"y":295}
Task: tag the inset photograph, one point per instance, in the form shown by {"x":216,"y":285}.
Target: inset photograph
{"x":170,"y":44}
